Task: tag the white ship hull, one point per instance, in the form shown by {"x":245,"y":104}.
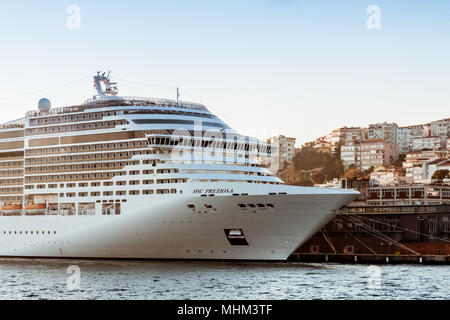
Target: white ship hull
{"x":164,"y":228}
{"x":151,"y":178}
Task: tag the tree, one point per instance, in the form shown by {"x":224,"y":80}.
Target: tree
{"x":398,"y":162}
{"x":318,"y":178}
{"x":353,"y":173}
{"x":303,"y":168}
{"x":441,"y":174}
{"x":307,"y":159}
{"x":304,"y":183}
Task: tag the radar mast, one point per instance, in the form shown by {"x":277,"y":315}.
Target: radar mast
{"x":111,"y":88}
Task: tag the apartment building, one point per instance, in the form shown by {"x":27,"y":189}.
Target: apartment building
{"x":286,"y":148}
{"x":377,"y":152}
{"x":368,"y":153}
{"x":406,"y":135}
{"x":386,"y":131}
{"x":430,"y":143}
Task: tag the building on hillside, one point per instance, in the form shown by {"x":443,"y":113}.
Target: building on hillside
{"x":385,"y":176}
{"x":350,"y":154}
{"x":421,"y":169}
{"x":406,"y":135}
{"x":285,"y":147}
{"x":377,"y":152}
{"x":441,"y":129}
{"x":426,"y":143}
{"x":368,"y":153}
{"x":431,"y":167}
{"x":346,"y":135}
{"x":413,"y":165}
{"x":442,"y":153}
{"x":385,"y":131}
{"x":320,"y":145}
{"x":422,"y":155}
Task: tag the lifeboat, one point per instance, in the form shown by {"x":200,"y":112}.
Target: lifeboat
{"x":32,"y":209}
{"x":11,"y":209}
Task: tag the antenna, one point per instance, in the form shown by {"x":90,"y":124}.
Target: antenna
{"x":178,"y":95}
{"x":110,"y":87}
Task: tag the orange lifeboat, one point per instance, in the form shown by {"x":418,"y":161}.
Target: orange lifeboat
{"x":11,"y":209}
{"x":31,"y":209}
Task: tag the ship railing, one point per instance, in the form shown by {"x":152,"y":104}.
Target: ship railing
{"x":245,"y":144}
{"x":12,"y":126}
{"x":118,"y":101}
{"x":18,"y":123}
{"x":134,"y":100}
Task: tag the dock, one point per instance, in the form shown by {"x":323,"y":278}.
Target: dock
{"x":370,"y":258}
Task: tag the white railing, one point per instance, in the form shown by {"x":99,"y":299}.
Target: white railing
{"x":118,"y":101}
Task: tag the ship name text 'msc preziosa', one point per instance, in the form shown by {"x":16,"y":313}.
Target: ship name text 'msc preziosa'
{"x":129,"y":177}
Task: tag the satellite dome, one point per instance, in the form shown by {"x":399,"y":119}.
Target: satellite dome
{"x":44,"y":105}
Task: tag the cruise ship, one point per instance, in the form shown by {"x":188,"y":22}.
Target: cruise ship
{"x":133,"y":177}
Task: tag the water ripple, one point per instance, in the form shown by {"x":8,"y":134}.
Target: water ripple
{"x":112,"y":279}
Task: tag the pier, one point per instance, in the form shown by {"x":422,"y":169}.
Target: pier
{"x":417,"y":234}
{"x":370,"y":258}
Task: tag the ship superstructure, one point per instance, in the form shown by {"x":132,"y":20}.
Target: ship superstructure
{"x":129,"y":177}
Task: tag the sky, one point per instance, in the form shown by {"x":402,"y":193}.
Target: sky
{"x":266,"y":67}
